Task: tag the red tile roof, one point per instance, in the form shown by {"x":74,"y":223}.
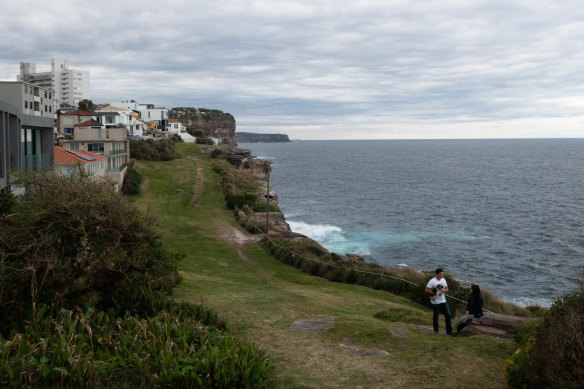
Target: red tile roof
{"x":64,"y":157}
{"x":173,"y":121}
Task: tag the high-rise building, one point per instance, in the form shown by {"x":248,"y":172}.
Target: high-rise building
{"x":70,"y":86}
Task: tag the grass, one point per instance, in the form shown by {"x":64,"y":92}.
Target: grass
{"x":261,"y":298}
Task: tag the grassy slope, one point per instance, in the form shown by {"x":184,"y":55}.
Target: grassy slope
{"x":263,"y":298}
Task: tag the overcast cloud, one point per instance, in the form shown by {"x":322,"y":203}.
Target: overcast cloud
{"x":324,"y":69}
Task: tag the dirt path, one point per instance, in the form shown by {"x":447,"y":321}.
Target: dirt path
{"x":198,"y":187}
{"x":236,"y":239}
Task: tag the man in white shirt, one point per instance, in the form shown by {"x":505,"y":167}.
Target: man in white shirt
{"x":436,"y":288}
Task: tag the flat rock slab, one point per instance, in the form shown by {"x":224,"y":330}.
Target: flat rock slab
{"x":312,"y":325}
{"x":363,"y":352}
{"x":399,"y":332}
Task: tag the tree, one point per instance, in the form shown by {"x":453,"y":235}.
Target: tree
{"x":87,"y":105}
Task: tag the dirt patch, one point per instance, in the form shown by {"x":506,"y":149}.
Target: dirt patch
{"x":312,"y":325}
{"x":399,"y":332}
{"x":236,"y":239}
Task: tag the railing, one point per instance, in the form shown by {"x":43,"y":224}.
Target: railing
{"x":117,"y":152}
{"x":35,"y":162}
{"x":116,"y":169}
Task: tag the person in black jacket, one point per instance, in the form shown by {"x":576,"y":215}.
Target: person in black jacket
{"x":474,"y":308}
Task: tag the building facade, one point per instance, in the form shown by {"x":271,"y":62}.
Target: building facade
{"x":70,"y":86}
{"x":27,"y":121}
{"x":94,"y":137}
{"x":148,"y":112}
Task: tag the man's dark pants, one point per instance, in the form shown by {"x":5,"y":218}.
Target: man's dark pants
{"x":443,"y":307}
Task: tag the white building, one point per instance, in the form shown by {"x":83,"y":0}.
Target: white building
{"x":69,"y":86}
{"x":147,"y":112}
{"x":176,"y":127}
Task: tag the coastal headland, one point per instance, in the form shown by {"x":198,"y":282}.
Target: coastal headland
{"x":319,"y":333}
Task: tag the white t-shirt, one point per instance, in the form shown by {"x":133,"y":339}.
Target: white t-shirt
{"x":439,"y":298}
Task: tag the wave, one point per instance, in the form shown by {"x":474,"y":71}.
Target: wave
{"x":527,"y":301}
{"x":364,"y":243}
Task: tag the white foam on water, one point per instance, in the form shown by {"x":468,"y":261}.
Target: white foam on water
{"x":402,"y":265}
{"x":317,"y":232}
{"x":527,"y":301}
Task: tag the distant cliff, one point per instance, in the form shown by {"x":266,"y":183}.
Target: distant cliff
{"x":206,"y":122}
{"x":250,"y":137}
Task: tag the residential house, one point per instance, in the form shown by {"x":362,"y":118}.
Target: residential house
{"x":27,"y":121}
{"x":69,"y":119}
{"x":147,"y":112}
{"x":113,"y":143}
{"x":70,"y":162}
{"x":115,"y":117}
{"x":174,"y":126}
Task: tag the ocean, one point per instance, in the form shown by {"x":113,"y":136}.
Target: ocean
{"x":506,"y":214}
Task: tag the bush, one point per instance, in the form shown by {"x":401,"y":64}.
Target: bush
{"x":84,"y":348}
{"x":151,"y":150}
{"x":241,"y":200}
{"x":557,"y":359}
{"x":132,"y":182}
{"x":71,"y":241}
{"x":204,"y":140}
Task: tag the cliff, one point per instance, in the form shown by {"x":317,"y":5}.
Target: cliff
{"x":250,"y":137}
{"x":210,"y":123}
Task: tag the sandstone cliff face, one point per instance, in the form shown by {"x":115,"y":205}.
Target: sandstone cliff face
{"x":206,"y":122}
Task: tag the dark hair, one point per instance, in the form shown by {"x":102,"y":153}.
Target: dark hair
{"x":475,"y":293}
{"x":439,"y":270}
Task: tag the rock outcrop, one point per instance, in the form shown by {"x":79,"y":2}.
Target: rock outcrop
{"x":492,"y":324}
{"x":210,"y":123}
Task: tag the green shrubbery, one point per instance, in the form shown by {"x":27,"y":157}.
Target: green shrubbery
{"x":132,"y":182}
{"x":154,"y":150}
{"x":70,"y":241}
{"x":174,"y":348}
{"x":202,"y":140}
{"x":551,"y":351}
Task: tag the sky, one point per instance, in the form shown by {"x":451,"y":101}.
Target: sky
{"x":391,"y":69}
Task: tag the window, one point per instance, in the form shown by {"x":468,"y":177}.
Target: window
{"x":25,"y":89}
{"x":68,"y":131}
{"x":110,"y":120}
{"x":97,"y":147}
{"x":25,"y":104}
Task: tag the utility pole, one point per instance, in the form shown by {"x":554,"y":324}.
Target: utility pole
{"x":267,"y":172}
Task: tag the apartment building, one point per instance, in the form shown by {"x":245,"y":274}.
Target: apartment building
{"x":27,"y":121}
{"x":70,"y":86}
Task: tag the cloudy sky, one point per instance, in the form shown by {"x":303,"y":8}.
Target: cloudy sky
{"x":390,"y":69}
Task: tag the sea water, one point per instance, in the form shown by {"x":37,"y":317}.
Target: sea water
{"x":506,"y":214}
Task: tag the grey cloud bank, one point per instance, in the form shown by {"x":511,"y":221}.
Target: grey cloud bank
{"x":323,"y":69}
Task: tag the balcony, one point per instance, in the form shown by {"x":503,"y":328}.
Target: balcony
{"x":117,"y":152}
{"x":35,"y":162}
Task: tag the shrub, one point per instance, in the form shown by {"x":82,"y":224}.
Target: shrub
{"x":84,"y":348}
{"x":241,"y":200}
{"x":7,"y":201}
{"x":204,"y":140}
{"x":132,"y":182}
{"x":557,"y":359}
{"x":71,"y":240}
{"x":150,"y":150}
